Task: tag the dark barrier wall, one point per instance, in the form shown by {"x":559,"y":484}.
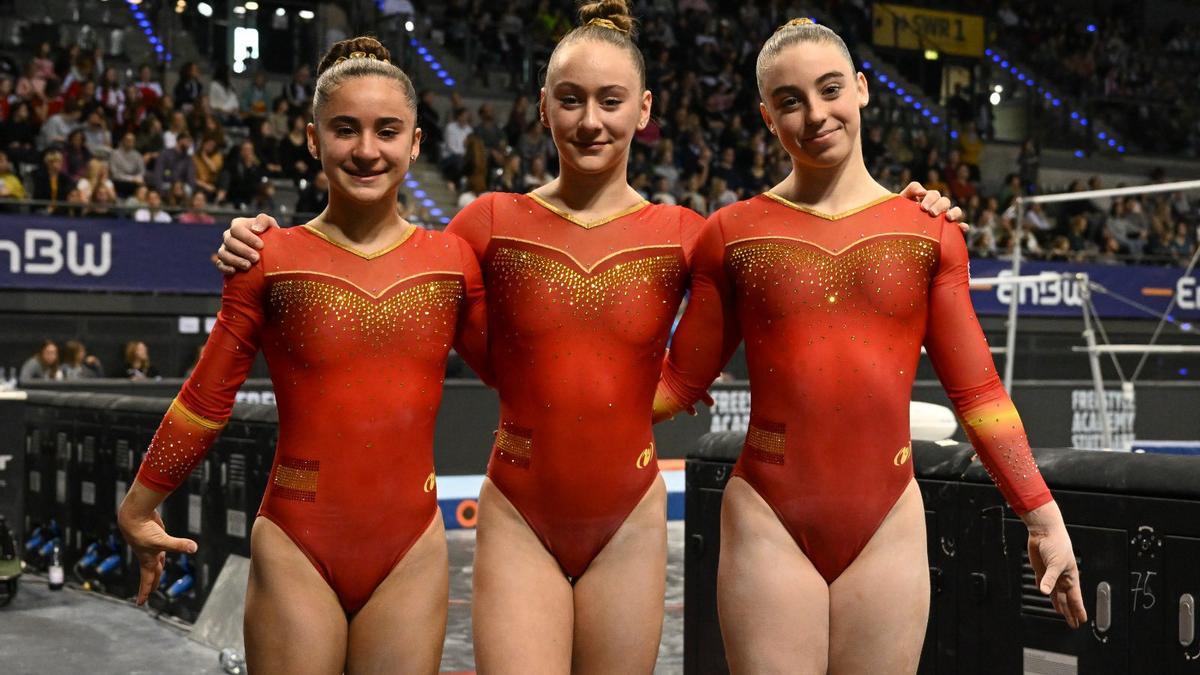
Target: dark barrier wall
{"x":1134,"y":521}
{"x":1058,"y":414}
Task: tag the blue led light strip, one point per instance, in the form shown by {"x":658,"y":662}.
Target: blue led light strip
{"x":1055,"y":101}
{"x":909,"y":99}
{"x":143,"y":22}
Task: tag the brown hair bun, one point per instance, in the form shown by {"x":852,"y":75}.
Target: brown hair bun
{"x":364,"y":44}
{"x":615,"y":11}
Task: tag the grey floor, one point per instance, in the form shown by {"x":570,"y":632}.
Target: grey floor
{"x":68,"y":632}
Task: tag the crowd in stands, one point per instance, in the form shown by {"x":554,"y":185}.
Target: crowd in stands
{"x":97,"y":141}
{"x":707,"y":147}
{"x":86,"y":139}
{"x":1139,"y":78}
{"x":73,"y":362}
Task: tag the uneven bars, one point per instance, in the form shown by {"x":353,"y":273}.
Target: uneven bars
{"x":1140,"y":349}
{"x":1110,"y":192}
{"x":988,"y":282}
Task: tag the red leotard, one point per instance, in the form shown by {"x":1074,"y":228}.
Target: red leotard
{"x":834,"y":310}
{"x":356,"y":346}
{"x":578,"y":320}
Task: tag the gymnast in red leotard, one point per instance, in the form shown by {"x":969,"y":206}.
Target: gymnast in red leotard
{"x":583,"y":279}
{"x":355,"y":313}
{"x":835,"y":285}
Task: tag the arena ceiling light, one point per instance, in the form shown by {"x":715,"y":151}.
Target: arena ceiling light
{"x":306,"y":14}
{"x":251,"y":5}
{"x":204,"y":9}
{"x":239,"y":10}
{"x":280,"y":11}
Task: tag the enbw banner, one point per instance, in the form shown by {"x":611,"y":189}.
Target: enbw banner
{"x":113,"y":254}
{"x":1126,"y":287}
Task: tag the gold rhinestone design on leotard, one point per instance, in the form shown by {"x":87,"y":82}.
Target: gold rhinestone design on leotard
{"x":587,"y":295}
{"x":766,"y":441}
{"x":304,"y":307}
{"x":757,"y":264}
{"x":998,"y":423}
{"x":296,"y":479}
{"x":173,"y":449}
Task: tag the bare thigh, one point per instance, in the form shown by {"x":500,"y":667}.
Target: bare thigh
{"x":879,"y":606}
{"x":403,"y":624}
{"x":294,"y":622}
{"x":619,"y":599}
{"x":522,"y":610}
{"x":773,"y":604}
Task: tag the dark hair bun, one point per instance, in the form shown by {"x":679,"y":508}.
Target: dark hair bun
{"x":343,"y":49}
{"x":616,"y":11}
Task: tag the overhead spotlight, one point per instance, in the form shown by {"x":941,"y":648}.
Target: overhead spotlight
{"x":931,"y":55}
{"x":999,"y":89}
{"x":239,"y":10}
{"x":251,"y":6}
{"x":409,"y":26}
{"x":180,"y":7}
{"x":204,"y":8}
{"x":280,"y":12}
{"x":994,"y":98}
{"x":306,"y":14}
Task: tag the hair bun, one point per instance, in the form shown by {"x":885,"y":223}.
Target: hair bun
{"x":611,"y":14}
{"x":357,"y":47}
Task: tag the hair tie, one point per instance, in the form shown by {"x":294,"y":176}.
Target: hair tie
{"x":360,"y":55}
{"x":604,"y":23}
{"x":803,"y":21}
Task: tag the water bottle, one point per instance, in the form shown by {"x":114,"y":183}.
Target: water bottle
{"x":56,"y":570}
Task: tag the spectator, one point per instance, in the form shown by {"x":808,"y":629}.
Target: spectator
{"x":533,"y":141}
{"x":149,"y":88}
{"x":109,"y":92}
{"x":662,"y":192}
{"x":256,"y":99}
{"x":150,"y":141}
{"x":60,"y":125}
{"x":264,"y":199}
{"x":76,"y":154}
{"x":933,"y":181}
{"x":961,"y":188}
{"x":1028,"y":164}
{"x":1183,"y":244}
{"x":175,"y":164}
{"x":18,"y":132}
{"x":197,"y":213}
{"x":315,"y":195}
{"x":518,"y":117}
{"x":509,"y":179}
{"x":222,"y":97}
{"x":456,"y":143}
{"x":189,"y":88}
{"x":280,"y":119}
{"x":242,"y":175}
{"x":50,"y":182}
{"x":127,"y":165}
{"x":101,"y":202}
{"x":78,"y":364}
{"x":137,"y":361}
{"x":175,"y":128}
{"x":209,"y":162}
{"x":95,"y":176}
{"x":11,"y":186}
{"x":537,"y":176}
{"x":152,"y":212}
{"x":138,"y":198}
{"x":492,"y":136}
{"x":294,"y":156}
{"x":43,"y":365}
{"x":299,"y":91}
{"x":178,"y":196}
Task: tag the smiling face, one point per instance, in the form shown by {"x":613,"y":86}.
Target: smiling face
{"x":593,"y":103}
{"x":365,"y":137}
{"x":811,"y":101}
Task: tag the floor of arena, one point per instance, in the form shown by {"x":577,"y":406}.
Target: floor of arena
{"x":73,"y":631}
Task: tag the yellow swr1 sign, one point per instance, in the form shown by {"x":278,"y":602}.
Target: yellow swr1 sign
{"x":906,"y":27}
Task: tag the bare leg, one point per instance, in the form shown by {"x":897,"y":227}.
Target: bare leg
{"x":879,"y":606}
{"x":773,"y":604}
{"x":619,"y":599}
{"x":522,"y":611}
{"x":294,"y":622}
{"x":403,"y":625}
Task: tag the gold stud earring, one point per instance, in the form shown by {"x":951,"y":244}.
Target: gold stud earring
{"x":412,"y":158}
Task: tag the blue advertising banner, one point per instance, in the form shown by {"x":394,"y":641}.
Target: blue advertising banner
{"x":114,"y":254}
{"x":1129,"y":286}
